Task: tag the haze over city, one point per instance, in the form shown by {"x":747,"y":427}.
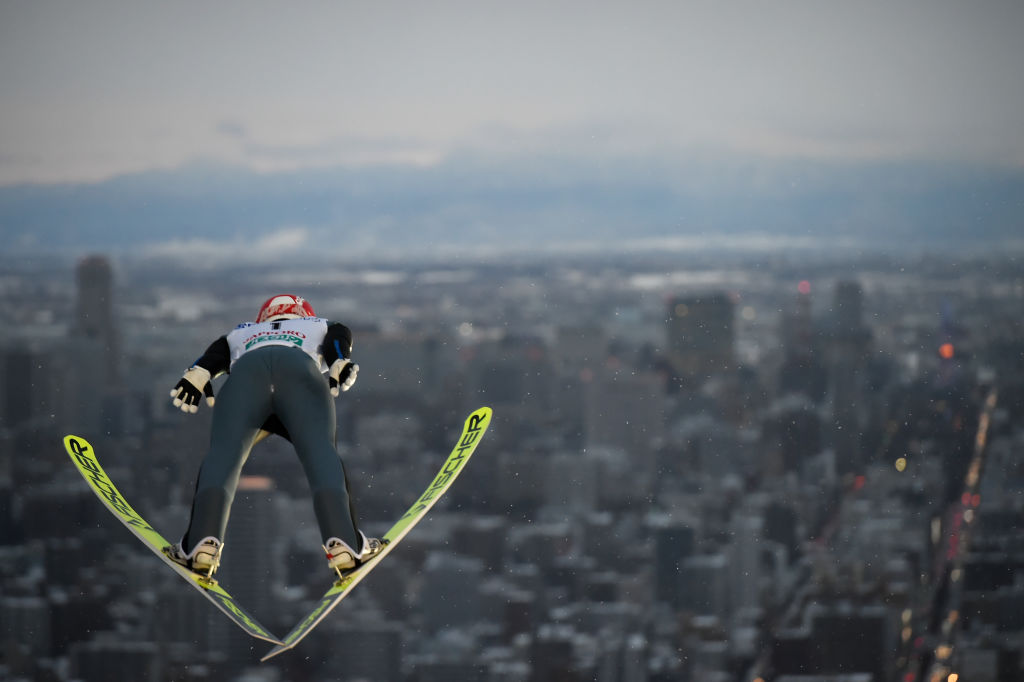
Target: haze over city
{"x":336,"y":128}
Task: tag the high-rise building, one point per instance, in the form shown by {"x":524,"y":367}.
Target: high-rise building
{"x":790,"y":435}
{"x":433,"y":670}
{"x":704,"y":585}
{"x":745,"y":562}
{"x":110,"y":659}
{"x":94,"y":310}
{"x":674,"y":542}
{"x":780,"y":525}
{"x":701,"y":336}
{"x":366,"y":651}
{"x":514,"y":375}
{"x":627,"y":411}
{"x":848,"y":306}
{"x":571,"y":483}
{"x":449,"y":596}
{"x":27,"y":623}
{"x":802,"y":370}
{"x":248,"y":569}
{"x":838,"y":639}
{"x":90,"y":395}
{"x":17,"y":365}
{"x":32,"y":383}
{"x":552,"y":654}
{"x":849,"y":349}
{"x":484,"y":539}
{"x":854,"y":639}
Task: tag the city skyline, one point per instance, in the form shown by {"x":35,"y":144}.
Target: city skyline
{"x":649,"y":507}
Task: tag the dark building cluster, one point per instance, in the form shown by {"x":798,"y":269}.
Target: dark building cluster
{"x":742,"y":468}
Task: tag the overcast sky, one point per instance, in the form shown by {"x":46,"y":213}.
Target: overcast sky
{"x":93,"y":89}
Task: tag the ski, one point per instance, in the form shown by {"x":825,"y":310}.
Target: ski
{"x":84,"y":457}
{"x":475,"y":426}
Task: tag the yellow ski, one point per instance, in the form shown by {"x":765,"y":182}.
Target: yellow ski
{"x":474,"y":428}
{"x":84,"y":457}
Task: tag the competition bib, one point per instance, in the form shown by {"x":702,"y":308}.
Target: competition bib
{"x":305,"y":333}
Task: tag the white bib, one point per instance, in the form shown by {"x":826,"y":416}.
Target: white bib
{"x":306,"y":333}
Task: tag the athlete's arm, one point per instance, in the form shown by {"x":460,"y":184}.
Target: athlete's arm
{"x":337,"y":343}
{"x":337,"y":352}
{"x":217,"y":358}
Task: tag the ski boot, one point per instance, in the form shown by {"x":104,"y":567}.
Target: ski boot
{"x":203,"y":560}
{"x":341,"y":557}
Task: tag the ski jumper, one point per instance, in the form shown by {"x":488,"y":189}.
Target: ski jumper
{"x":275,"y":384}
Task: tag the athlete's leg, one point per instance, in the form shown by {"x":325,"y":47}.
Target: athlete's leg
{"x":243,"y":404}
{"x":303,"y":402}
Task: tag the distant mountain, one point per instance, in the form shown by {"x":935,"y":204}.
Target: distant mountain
{"x":536,"y":203}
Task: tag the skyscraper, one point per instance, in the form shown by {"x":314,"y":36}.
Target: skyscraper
{"x":626,"y":411}
{"x":849,"y":348}
{"x":94,"y":312}
{"x":92,"y":354}
{"x":745,"y":562}
{"x":366,"y":651}
{"x":674,"y":542}
{"x":450,"y":593}
{"x":848,"y":306}
{"x":802,"y":370}
{"x":249,"y":569}
{"x":701,"y":336}
{"x":30,"y":386}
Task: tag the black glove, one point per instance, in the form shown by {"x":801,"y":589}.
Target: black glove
{"x":186,"y":393}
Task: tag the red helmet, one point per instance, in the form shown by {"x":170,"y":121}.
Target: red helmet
{"x":284,"y":307}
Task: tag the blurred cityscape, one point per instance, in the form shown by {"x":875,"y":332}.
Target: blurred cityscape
{"x":730,"y":468}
